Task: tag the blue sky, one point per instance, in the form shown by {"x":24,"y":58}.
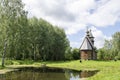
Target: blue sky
{"x":101,"y":16}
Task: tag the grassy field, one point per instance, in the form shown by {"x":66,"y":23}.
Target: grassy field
{"x":109,"y":70}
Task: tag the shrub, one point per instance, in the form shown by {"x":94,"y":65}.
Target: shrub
{"x":9,"y":62}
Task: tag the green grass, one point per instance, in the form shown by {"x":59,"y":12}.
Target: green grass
{"x":109,"y":70}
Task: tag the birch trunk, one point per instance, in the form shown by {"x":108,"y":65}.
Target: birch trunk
{"x":4,"y":53}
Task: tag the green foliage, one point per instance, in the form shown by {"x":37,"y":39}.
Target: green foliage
{"x":106,"y":54}
{"x":111,"y":49}
{"x":116,"y":41}
{"x":9,"y":62}
{"x":118,"y":56}
{"x":26,"y":62}
{"x":48,"y":42}
{"x":12,"y":19}
{"x":39,"y":41}
{"x":72,"y":54}
{"x":2,"y":67}
{"x":68,"y":54}
{"x":29,"y":38}
{"x":100,"y":54}
{"x":76,"y":53}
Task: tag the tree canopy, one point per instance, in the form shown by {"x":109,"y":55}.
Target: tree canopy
{"x":29,"y":38}
{"x":111,"y":49}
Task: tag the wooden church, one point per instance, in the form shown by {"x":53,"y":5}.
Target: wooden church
{"x":87,"y":49}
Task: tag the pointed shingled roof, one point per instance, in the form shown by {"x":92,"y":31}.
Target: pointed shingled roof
{"x":87,"y":44}
{"x":90,"y":34}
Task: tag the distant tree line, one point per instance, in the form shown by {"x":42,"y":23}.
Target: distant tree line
{"x":111,"y":49}
{"x":72,"y":54}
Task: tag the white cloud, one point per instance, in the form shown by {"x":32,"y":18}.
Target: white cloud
{"x":75,"y":15}
{"x":106,"y":14}
{"x":75,"y":44}
{"x":99,"y":37}
{"x":100,"y":13}
{"x":75,"y":28}
{"x":80,"y":6}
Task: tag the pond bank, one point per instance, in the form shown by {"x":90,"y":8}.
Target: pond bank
{"x":12,"y":68}
{"x":3,"y":71}
{"x":65,"y":74}
{"x":105,"y":67}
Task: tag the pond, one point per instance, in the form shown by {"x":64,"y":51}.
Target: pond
{"x":47,"y":73}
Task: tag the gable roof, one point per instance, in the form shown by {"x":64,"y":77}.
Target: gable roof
{"x":87,"y":44}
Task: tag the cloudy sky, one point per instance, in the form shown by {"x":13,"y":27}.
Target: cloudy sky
{"x":101,"y":16}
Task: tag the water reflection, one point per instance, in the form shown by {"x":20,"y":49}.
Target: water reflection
{"x":46,"y":74}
